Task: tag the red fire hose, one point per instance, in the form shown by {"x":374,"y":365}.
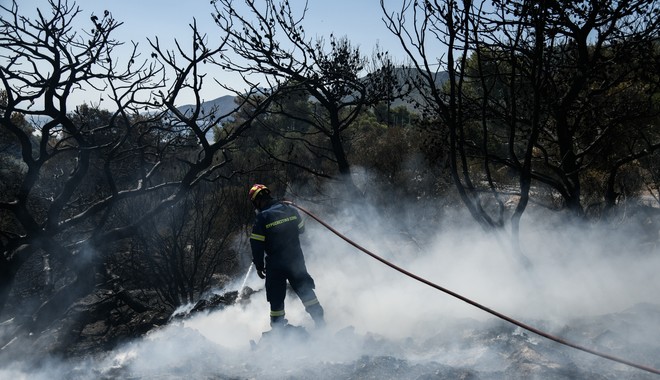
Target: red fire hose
{"x":473,"y":303}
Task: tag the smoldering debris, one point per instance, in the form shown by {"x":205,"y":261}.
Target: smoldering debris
{"x":216,"y":344}
{"x":583,"y":286}
{"x":214,"y":302}
{"x":464,"y":348}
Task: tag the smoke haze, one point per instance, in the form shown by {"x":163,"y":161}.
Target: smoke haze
{"x":374,"y":312}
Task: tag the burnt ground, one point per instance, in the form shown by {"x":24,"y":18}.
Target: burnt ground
{"x":470,"y":349}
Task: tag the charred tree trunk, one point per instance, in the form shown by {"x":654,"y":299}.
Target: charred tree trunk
{"x":10,"y":264}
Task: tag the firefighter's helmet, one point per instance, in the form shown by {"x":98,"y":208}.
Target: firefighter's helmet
{"x":257,"y":189}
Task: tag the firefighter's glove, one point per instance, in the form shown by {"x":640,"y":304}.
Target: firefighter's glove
{"x":261,"y":273}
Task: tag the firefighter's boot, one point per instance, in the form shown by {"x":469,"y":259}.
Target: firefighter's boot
{"x":316,"y":312}
{"x":277,"y":319}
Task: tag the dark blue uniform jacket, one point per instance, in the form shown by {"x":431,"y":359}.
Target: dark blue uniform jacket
{"x":275,"y":233}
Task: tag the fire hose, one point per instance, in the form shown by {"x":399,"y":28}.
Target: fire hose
{"x":473,"y":303}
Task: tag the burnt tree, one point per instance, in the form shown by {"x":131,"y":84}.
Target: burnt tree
{"x":83,"y":170}
{"x":553,"y":94}
{"x":270,"y":43}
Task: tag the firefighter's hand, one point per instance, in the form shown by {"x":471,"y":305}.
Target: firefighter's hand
{"x":261,"y":273}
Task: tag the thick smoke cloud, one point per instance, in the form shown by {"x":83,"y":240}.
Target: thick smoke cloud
{"x":576,"y":272}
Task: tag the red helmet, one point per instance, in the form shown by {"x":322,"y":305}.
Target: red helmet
{"x":256,"y":189}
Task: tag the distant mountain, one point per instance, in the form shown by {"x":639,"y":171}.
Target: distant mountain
{"x":220,"y":106}
{"x":404,"y":74}
{"x":223,"y":105}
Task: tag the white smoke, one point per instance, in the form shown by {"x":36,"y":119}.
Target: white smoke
{"x":372,"y":309}
{"x":574,"y":273}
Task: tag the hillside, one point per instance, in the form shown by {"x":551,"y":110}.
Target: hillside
{"x":221,"y":106}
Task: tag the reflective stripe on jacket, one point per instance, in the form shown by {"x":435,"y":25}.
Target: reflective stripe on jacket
{"x":275,"y":236}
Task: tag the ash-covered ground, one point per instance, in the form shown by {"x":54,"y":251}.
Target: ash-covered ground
{"x":217,"y":346}
{"x":595,"y":287}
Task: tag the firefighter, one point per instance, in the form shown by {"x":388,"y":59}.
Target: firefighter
{"x":278,"y":257}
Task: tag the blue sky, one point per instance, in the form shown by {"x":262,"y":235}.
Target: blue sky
{"x":359,"y":20}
